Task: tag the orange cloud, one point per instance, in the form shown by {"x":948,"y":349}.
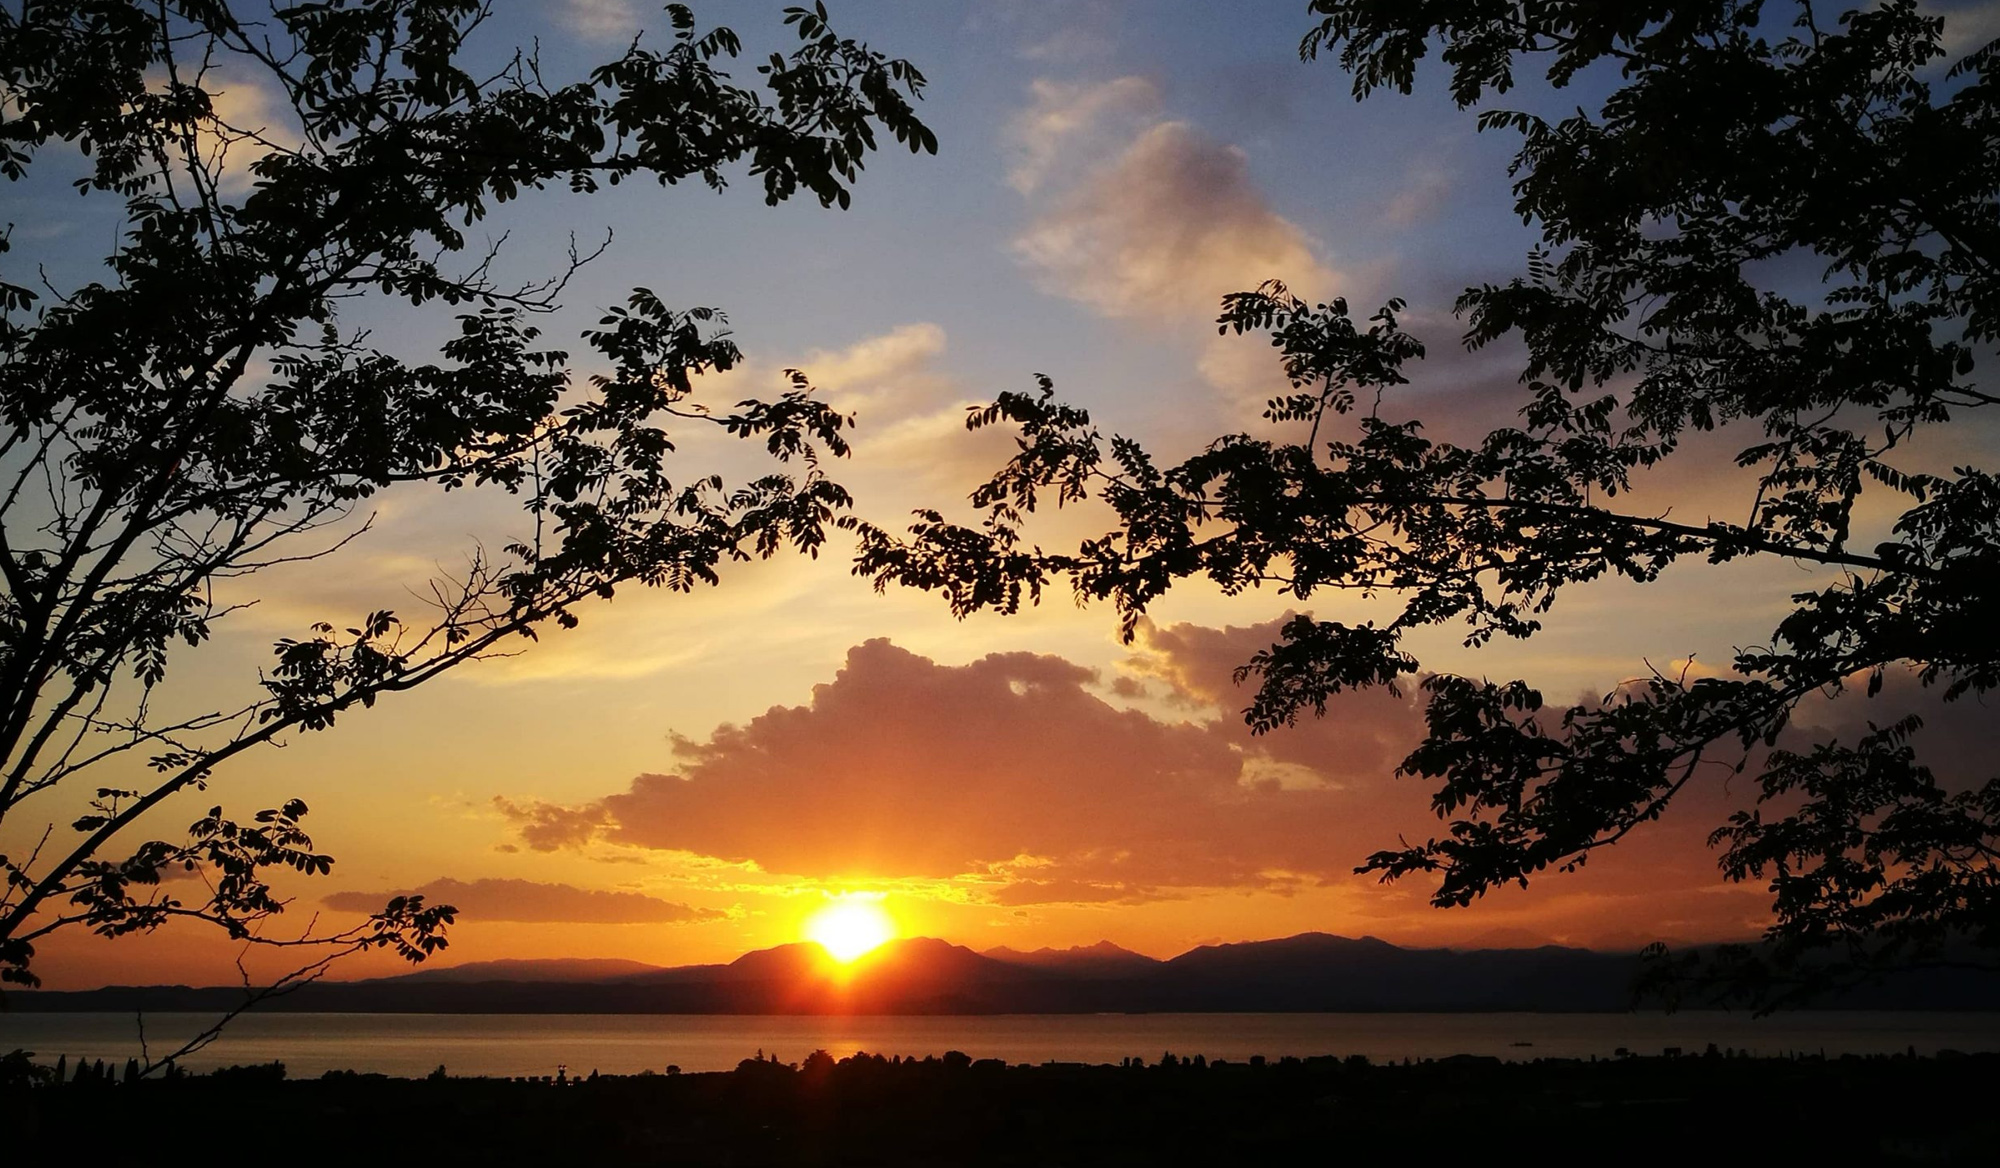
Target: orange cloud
{"x":1026,"y":780}
{"x":1010,"y":774}
{"x":549,"y":827}
{"x":531,"y":902}
{"x":1360,"y":741}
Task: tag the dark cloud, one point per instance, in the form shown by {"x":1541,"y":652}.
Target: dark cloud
{"x":548,"y":827}
{"x":1359,"y":742}
{"x":528,"y":901}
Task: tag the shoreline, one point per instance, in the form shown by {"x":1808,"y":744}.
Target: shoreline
{"x":501,"y":1045}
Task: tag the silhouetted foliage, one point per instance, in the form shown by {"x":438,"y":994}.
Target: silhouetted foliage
{"x":868,"y":1109}
{"x":19,"y":1069}
{"x":272,"y":1072}
{"x":1741,"y":144}
{"x":194,"y":410}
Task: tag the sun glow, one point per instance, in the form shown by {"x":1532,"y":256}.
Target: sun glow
{"x":850,"y":927}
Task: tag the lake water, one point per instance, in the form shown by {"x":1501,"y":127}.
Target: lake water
{"x":505,"y":1044}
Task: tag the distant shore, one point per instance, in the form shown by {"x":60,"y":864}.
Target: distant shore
{"x":408,"y":1044}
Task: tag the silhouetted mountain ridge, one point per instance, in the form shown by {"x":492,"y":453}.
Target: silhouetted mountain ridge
{"x":1100,"y":960}
{"x":539,"y":969}
{"x":1310,"y":972}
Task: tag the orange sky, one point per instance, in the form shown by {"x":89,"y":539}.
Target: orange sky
{"x":1016,"y":798}
{"x":687,"y":777}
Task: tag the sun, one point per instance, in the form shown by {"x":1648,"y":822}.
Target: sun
{"x":850,"y":927}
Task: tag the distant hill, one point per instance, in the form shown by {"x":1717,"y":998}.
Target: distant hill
{"x":1514,"y":938}
{"x":1097,"y":961}
{"x":1319,"y":971}
{"x":918,"y":975}
{"x":1308,"y":973}
{"x":549,"y":969}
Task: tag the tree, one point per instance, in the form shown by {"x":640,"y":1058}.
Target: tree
{"x":1735,"y":138}
{"x":194,"y":410}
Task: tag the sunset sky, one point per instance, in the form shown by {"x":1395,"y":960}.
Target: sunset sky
{"x":685,"y":777}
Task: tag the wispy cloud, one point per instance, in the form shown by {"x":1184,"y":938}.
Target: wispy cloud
{"x":247,"y":120}
{"x":1968,"y":24}
{"x":1059,"y":114}
{"x":1427,"y":187}
{"x":1152,"y":220}
{"x":1165,"y":230}
{"x":529,"y":901}
{"x":601,"y":19}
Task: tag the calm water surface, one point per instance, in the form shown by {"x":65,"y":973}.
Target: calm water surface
{"x":509,"y":1044}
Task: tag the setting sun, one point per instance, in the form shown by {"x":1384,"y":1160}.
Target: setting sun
{"x":848,"y":928}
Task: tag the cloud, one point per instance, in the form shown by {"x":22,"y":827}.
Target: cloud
{"x":1164,"y":230}
{"x":1359,"y":743}
{"x":1009,"y":775}
{"x":1968,"y":25}
{"x":887,"y":376}
{"x":1955,"y":741}
{"x":1062,"y":114}
{"x":1049,"y":31}
{"x":549,"y":827}
{"x":1426,"y":189}
{"x":601,"y":19}
{"x":247,"y":120}
{"x":911,"y":447}
{"x":891,"y":378}
{"x":528,"y":901}
{"x":1021,"y":780}
{"x":1153,"y":221}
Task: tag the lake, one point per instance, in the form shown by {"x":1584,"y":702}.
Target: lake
{"x":508,"y":1044}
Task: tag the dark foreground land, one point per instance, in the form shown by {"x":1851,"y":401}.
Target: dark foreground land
{"x":866,"y":1110}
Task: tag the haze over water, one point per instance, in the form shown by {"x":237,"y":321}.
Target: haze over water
{"x":502,"y":1044}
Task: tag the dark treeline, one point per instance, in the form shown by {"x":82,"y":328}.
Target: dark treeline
{"x":874,"y":1110}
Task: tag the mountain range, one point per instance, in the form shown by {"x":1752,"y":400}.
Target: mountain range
{"x":1311,"y":972}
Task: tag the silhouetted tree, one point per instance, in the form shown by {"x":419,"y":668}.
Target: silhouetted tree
{"x":271,"y":1072}
{"x":1776,"y":222}
{"x":18,"y":1069}
{"x":194,"y":409}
